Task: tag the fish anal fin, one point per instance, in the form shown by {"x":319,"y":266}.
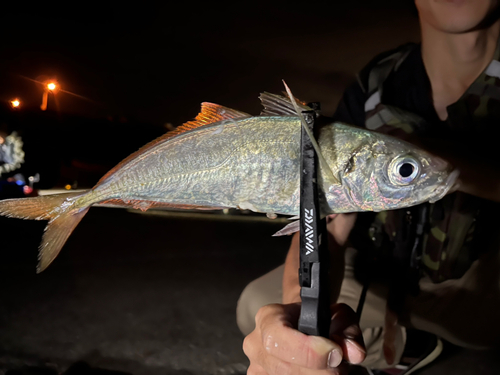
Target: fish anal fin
{"x":289,"y":229}
{"x":145,"y":205}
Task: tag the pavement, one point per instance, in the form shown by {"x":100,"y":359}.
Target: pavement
{"x":142,"y":294}
{"x":153,"y":293}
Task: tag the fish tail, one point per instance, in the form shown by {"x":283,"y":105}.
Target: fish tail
{"x":62,"y":212}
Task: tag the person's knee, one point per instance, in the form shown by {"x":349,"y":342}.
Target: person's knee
{"x":260,"y":292}
{"x":245,"y":309}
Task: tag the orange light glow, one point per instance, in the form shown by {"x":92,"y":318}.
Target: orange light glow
{"x":68,"y":187}
{"x":51,"y":86}
{"x":15,"y":103}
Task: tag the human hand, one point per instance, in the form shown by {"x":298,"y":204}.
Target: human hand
{"x":276,"y":347}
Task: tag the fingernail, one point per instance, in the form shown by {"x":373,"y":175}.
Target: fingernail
{"x":351,"y":344}
{"x":324,"y":347}
{"x":355,"y":351}
{"x":334,"y":358}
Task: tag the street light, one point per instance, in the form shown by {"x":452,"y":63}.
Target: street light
{"x":49,"y":87}
{"x":15,"y":103}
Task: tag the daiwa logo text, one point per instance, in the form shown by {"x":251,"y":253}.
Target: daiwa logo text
{"x":309,"y":216}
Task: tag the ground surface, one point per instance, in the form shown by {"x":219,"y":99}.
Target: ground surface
{"x":144,"y":294}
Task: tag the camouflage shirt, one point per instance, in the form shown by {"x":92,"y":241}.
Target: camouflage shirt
{"x":393,"y":95}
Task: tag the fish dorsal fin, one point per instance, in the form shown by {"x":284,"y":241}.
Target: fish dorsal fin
{"x":210,"y":113}
{"x":277,"y":105}
{"x":330,"y":177}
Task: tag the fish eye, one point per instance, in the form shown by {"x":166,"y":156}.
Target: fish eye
{"x":404,"y":170}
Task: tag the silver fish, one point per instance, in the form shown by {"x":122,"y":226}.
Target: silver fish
{"x":226,"y":158}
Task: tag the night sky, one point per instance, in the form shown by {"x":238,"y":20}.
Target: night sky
{"x":157,"y":63}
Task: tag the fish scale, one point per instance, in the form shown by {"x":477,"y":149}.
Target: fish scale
{"x":244,"y":164}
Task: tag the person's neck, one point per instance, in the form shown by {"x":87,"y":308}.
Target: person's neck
{"x":456,"y":60}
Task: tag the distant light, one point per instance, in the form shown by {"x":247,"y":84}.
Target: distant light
{"x":27,"y":189}
{"x":15,"y":103}
{"x":51,"y":86}
{"x":68,"y":187}
{"x":19,"y":182}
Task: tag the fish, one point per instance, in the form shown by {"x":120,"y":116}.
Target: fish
{"x":225,"y":158}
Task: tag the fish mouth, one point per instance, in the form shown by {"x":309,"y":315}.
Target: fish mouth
{"x":449,"y":184}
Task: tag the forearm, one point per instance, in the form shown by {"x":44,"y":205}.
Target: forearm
{"x":337,"y":267}
{"x":480,"y":180}
{"x":477,"y":163}
{"x":291,"y":286}
{"x":336,"y":242}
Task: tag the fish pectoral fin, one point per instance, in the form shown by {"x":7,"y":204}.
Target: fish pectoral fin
{"x":288,"y":229}
{"x":277,"y":105}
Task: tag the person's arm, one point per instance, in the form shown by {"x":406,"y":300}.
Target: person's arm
{"x":476,"y":161}
{"x":338,"y":229}
{"x":291,"y":286}
{"x":478,"y":166}
{"x":479,"y":179}
{"x":276,"y":346}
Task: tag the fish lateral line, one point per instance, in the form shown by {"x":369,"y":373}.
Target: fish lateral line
{"x":210,"y":114}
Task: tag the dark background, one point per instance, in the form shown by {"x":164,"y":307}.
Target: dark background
{"x":156,"y":293}
{"x":156,"y":62}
